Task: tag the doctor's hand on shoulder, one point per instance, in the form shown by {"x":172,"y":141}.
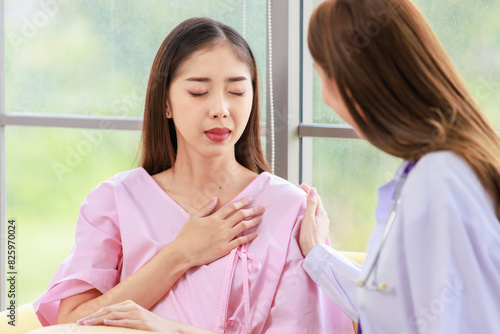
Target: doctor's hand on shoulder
{"x":315,"y":224}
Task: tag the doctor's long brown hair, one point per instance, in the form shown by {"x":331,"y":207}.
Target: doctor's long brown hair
{"x":399,"y":85}
{"x":159,"y":139}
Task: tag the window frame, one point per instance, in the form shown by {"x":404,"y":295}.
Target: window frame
{"x":293,"y":152}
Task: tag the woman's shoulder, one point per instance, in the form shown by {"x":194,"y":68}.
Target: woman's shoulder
{"x":131,"y":175}
{"x":442,"y":158}
{"x":276,"y":193}
{"x":278,"y":185}
{"x":126,"y":178}
{"x":444,"y":168}
{"x":445,"y":180}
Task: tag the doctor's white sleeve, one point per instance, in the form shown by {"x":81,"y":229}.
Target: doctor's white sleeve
{"x":336,"y":275}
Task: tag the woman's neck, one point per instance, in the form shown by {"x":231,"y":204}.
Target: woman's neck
{"x":192,"y":182}
{"x":200,"y":174}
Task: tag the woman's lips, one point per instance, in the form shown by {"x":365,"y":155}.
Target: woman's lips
{"x":218,"y":135}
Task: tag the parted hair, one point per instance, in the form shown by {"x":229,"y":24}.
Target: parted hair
{"x":399,"y":85}
{"x":159,"y":139}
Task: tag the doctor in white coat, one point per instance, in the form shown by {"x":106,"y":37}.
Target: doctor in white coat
{"x":433,"y":260}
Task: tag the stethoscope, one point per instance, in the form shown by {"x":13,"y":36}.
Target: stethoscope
{"x":396,"y":199}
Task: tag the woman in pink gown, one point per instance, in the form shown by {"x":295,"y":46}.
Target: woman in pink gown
{"x":150,"y":252}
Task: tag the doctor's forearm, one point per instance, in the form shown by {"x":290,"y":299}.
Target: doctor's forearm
{"x":336,"y":275}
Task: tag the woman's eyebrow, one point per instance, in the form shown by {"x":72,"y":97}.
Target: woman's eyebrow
{"x":198,"y":79}
{"x":205,"y":79}
{"x":235,"y":79}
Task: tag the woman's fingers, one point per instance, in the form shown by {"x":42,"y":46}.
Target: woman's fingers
{"x":313,"y":229}
{"x":124,"y":314}
{"x":312,"y":206}
{"x":243,"y":240}
{"x":245,"y":214}
{"x":305,"y":187}
{"x":321,"y":212}
{"x":205,"y":239}
{"x":131,"y":315}
{"x":233,"y":207}
{"x":110,"y":312}
{"x":246,"y":224}
{"x":89,"y":318}
{"x":233,"y":211}
{"x":126,"y":323}
{"x":99,"y":317}
{"x":207,"y":209}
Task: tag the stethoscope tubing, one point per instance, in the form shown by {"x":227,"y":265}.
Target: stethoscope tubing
{"x":396,"y":200}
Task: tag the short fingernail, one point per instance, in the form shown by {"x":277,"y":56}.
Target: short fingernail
{"x":248,"y":199}
{"x":313,"y":192}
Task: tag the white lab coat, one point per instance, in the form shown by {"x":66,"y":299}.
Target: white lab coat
{"x":441,"y":260}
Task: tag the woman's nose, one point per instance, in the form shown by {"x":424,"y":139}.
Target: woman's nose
{"x":219,"y":109}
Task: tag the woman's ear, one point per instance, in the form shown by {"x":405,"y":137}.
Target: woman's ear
{"x":168,"y":111}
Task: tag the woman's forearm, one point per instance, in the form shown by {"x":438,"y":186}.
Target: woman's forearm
{"x":145,"y":287}
{"x":151,"y":282}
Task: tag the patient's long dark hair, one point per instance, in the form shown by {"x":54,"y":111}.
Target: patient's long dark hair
{"x":159,"y":139}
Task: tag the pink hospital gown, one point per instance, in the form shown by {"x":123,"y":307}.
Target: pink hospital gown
{"x":260,"y":287}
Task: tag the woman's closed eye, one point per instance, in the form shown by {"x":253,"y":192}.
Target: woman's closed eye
{"x":197,"y":94}
{"x":193,"y":94}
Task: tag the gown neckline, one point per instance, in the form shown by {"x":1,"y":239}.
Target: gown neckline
{"x":180,"y":209}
